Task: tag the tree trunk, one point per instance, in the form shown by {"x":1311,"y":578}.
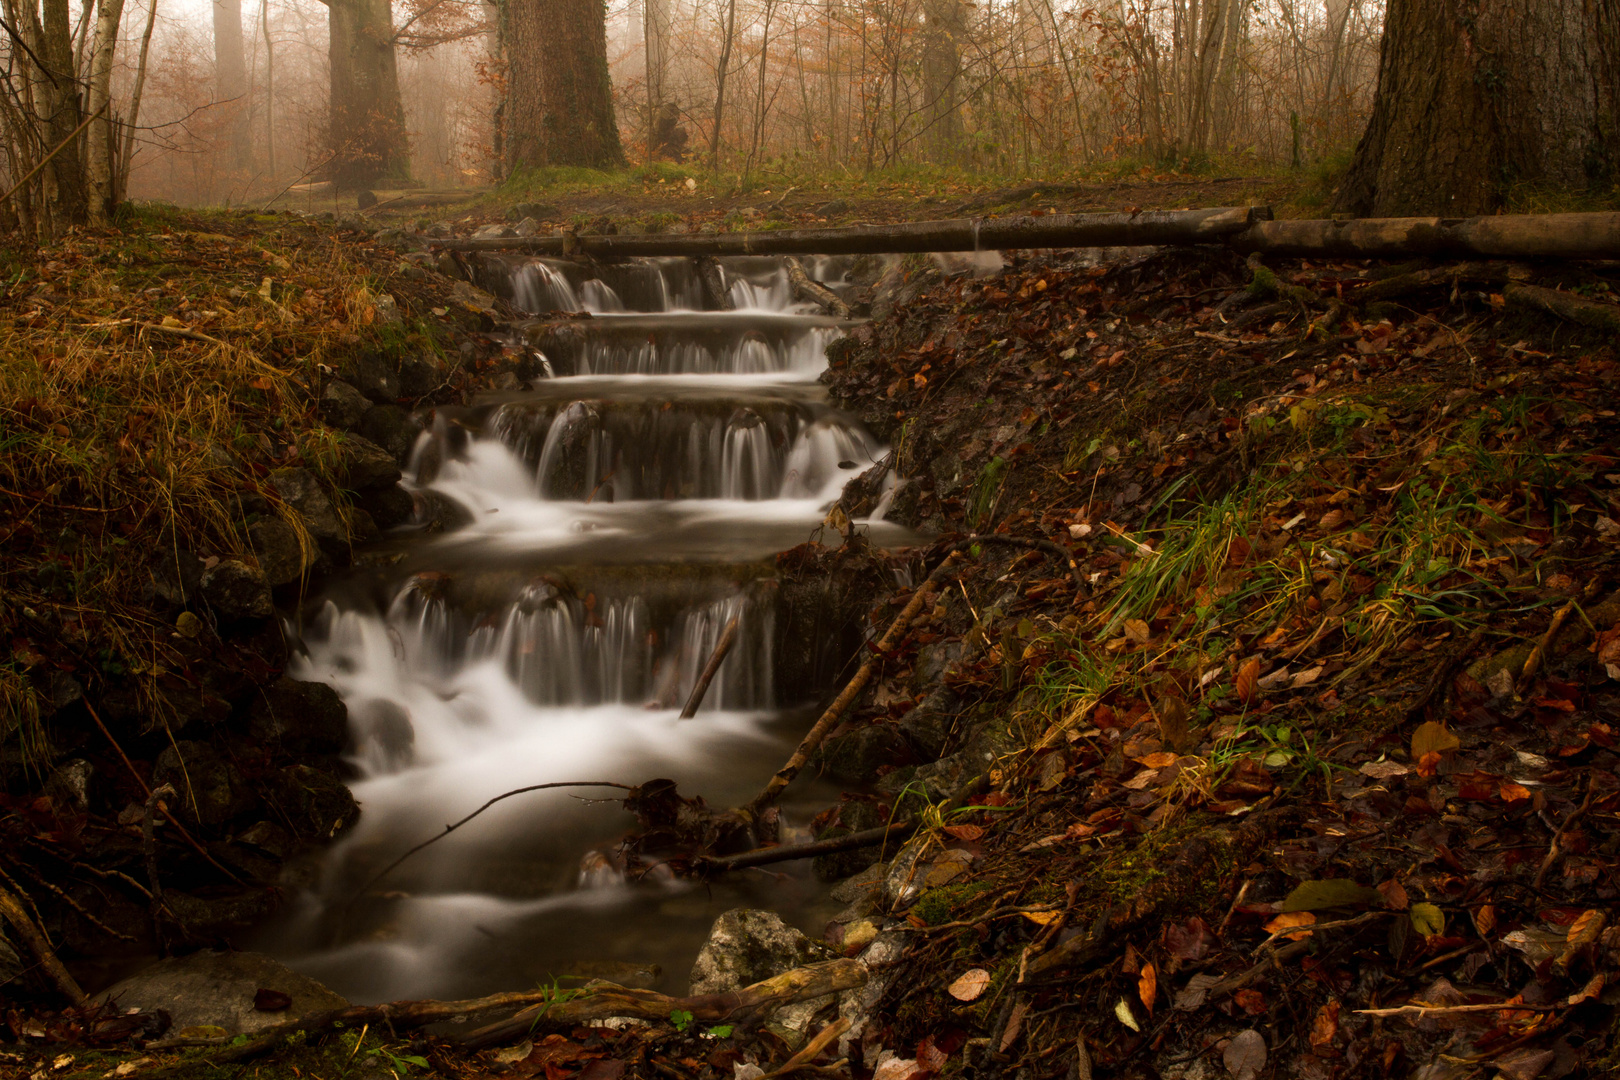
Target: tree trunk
{"x":1475,"y":98}
{"x":559,"y":102}
{"x":720,"y":82}
{"x":58,"y":107}
{"x":101,"y":153}
{"x":944,"y":24}
{"x":230,"y":78}
{"x":367,"y":120}
{"x":655,"y":43}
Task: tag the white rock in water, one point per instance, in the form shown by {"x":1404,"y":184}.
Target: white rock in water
{"x":217,"y":989}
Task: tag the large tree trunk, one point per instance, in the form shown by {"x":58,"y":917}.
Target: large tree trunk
{"x":230,"y":78}
{"x":559,"y":101}
{"x":1476,"y":97}
{"x":65,"y":201}
{"x":367,"y":120}
{"x":102,"y":151}
{"x":944,"y":25}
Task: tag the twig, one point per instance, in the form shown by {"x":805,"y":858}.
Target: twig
{"x":15,"y":914}
{"x":1445,"y":673}
{"x":817,"y":734}
{"x":46,"y":160}
{"x":318,"y":165}
{"x":807,"y":288}
{"x":728,"y":638}
{"x":1556,"y":851}
{"x":1052,"y":549}
{"x":1443,"y":1010}
{"x":448,"y":829}
{"x":1533,"y":662}
{"x":154,"y":801}
{"x":810,"y":1049}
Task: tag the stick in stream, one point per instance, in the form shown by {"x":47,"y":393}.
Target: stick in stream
{"x":15,"y":914}
{"x":807,"y":288}
{"x":448,"y":829}
{"x":818,"y":734}
{"x":728,"y":638}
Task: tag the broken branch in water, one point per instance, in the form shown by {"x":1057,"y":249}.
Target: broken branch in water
{"x":448,"y":829}
{"x":13,"y":912}
{"x":807,"y":288}
{"x":728,"y":638}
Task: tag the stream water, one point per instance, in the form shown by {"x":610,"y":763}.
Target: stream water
{"x":616,"y":515}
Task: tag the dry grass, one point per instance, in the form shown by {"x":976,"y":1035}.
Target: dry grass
{"x":149,"y":381}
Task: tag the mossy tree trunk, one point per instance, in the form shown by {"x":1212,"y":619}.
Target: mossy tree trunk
{"x":1476,"y":98}
{"x":367,"y":133}
{"x":559,"y":101}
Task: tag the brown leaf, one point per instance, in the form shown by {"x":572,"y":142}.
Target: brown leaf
{"x":271,"y":1000}
{"x":1248,"y":680}
{"x":1147,"y":986}
{"x":1015,"y":1023}
{"x":1245,"y":1055}
{"x":1288,"y":920}
{"x":1394,"y":894}
{"x":1137,"y":631}
{"x":969,"y":985}
{"x":1189,"y":942}
{"x":965,"y":832}
{"x":930,"y":1056}
{"x":1325,"y":1028}
{"x":1432,"y":737}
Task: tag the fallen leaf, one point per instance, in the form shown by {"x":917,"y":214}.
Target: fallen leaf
{"x":1288,"y":921}
{"x":1427,"y":919}
{"x":894,"y":1069}
{"x":1384,"y":770}
{"x":1325,"y":1028}
{"x":511,"y":1055}
{"x":1245,"y":1055}
{"x":1042,"y":918}
{"x":1122,"y":1012}
{"x":1191,"y":941}
{"x":969,"y":985}
{"x":271,"y":1000}
{"x":1137,"y":631}
{"x":1333,"y":892}
{"x":1015,"y":1024}
{"x":1248,"y":678}
{"x":930,"y":1056}
{"x":188,"y":625}
{"x":1432,"y":737}
{"x":1592,"y":989}
{"x":1583,"y":923}
{"x":1158,"y":760}
{"x":1394,"y":894}
{"x":1147,"y":986}
{"x":1192,"y":995}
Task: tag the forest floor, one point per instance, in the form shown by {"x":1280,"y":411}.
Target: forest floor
{"x":1311,"y":773}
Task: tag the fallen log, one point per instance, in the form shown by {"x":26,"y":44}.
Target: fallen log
{"x":807,"y":288}
{"x":602,"y":1001}
{"x":1593,"y":313}
{"x":961,"y":234}
{"x":1507,"y":236}
{"x":728,"y":638}
{"x":1242,"y":228}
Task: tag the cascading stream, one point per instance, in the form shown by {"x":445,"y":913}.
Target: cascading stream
{"x":615,"y":518}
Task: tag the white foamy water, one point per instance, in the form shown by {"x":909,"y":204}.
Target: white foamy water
{"x":554,"y":635}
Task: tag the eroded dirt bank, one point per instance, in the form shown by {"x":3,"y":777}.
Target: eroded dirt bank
{"x":1324,"y":727}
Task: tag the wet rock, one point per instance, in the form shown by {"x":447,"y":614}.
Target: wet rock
{"x":837,"y":206}
{"x":542,"y":211}
{"x":69,"y":785}
{"x":176,"y":580}
{"x":300,"y":490}
{"x":399,"y":240}
{"x":928,"y":726}
{"x":904,"y":879}
{"x":936,"y":780}
{"x":418,"y":376}
{"x":342,"y":405}
{"x":268,"y":837}
{"x":854,"y":815}
{"x":235,"y":590}
{"x":210,"y":789}
{"x":527,"y":227}
{"x":449,"y":267}
{"x":441,"y":230}
{"x":281,"y":557}
{"x":856,"y":756}
{"x":389,"y":506}
{"x":373,"y":376}
{"x":218,"y":988}
{"x":438,"y":512}
{"x":494,"y":232}
{"x":303,"y":717}
{"x":190,"y":703}
{"x":391,"y":428}
{"x":745,"y":946}
{"x":317,"y":805}
{"x":367,"y":466}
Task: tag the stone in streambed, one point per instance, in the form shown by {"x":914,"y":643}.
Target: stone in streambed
{"x":854,"y":815}
{"x":281,"y":556}
{"x":367,"y":466}
{"x":300,"y":490}
{"x":342,"y":406}
{"x":856,"y":756}
{"x":303,"y":717}
{"x":393,"y":429}
{"x":236,"y":590}
{"x":217,"y":989}
{"x":210,"y":790}
{"x":747,"y":945}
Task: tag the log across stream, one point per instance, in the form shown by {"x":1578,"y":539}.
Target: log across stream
{"x":604,"y":527}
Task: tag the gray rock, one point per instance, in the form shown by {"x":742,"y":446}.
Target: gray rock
{"x":300,"y":490}
{"x":211,"y":790}
{"x":342,"y":405}
{"x":837,"y":206}
{"x":929,"y":725}
{"x":399,"y":240}
{"x":373,"y":376}
{"x":304,"y":717}
{"x":317,"y":805}
{"x":854,"y":815}
{"x":268,"y":837}
{"x":440,"y":230}
{"x":217,"y":989}
{"x":856,"y":756}
{"x":862,"y":886}
{"x":494,"y":232}
{"x":69,"y":786}
{"x":236,"y":590}
{"x":281,"y":557}
{"x":745,"y":946}
{"x":418,"y":376}
{"x":393,"y":429}
{"x":387,"y":309}
{"x":935,"y":781}
{"x":367,"y":466}
{"x":527,"y":227}
{"x":388,"y":506}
